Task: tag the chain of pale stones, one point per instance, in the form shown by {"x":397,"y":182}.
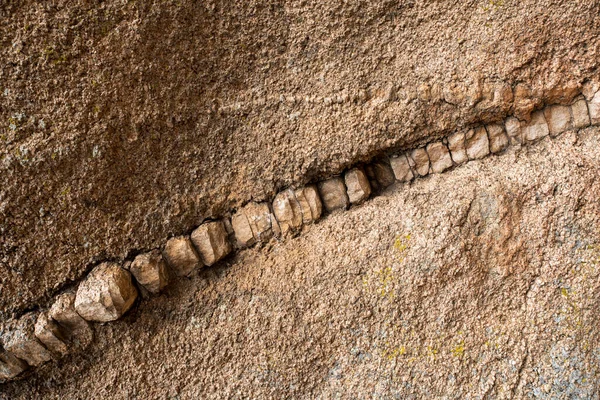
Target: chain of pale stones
{"x":110,"y":289}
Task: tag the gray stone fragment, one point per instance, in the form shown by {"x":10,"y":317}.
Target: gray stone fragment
{"x":105,"y":294}
{"x":477,"y":143}
{"x":581,"y":116}
{"x":513,"y":130}
{"x":357,"y":185}
{"x":456,"y":145}
{"x":439,"y":157}
{"x":76,"y":330}
{"x":535,"y":129}
{"x":181,"y":255}
{"x":310,"y":203}
{"x":333,"y":194}
{"x":19,"y":338}
{"x":150,"y":271}
{"x":594,"y":109}
{"x":211,"y":241}
{"x":559,"y":119}
{"x":287,"y":211}
{"x":401,"y":168}
{"x":49,"y":334}
{"x":10,"y":366}
{"x":498,"y":138}
{"x":421,"y":160}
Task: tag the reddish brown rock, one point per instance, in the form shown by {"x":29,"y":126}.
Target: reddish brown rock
{"x":77,"y":331}
{"x":211,"y":241}
{"x":333,"y":194}
{"x":357,"y":185}
{"x":150,"y":271}
{"x":477,"y":143}
{"x":439,"y":157}
{"x":49,"y":334}
{"x":181,"y":255}
{"x":10,"y":366}
{"x":19,"y":338}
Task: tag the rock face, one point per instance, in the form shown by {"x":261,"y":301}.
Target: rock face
{"x":421,"y":161}
{"x":287,"y":211}
{"x":357,"y":185}
{"x":536,"y":129}
{"x":150,"y":271}
{"x":310,"y":203}
{"x":254,"y":223}
{"x":594,"y":109}
{"x":476,"y":143}
{"x":380,"y":174}
{"x":498,"y":138}
{"x":513,"y":130}
{"x":439,"y":156}
{"x":77,"y":330}
{"x":19,"y":339}
{"x":181,"y":255}
{"x":559,"y":119}
{"x":49,"y":334}
{"x":401,"y":167}
{"x":10,"y":366}
{"x":456,"y":145}
{"x":211,"y":241}
{"x":581,"y":116}
{"x":333,"y":194}
{"x":106,"y":294}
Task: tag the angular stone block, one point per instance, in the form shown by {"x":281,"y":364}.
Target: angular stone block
{"x":333,"y":194}
{"x":380,"y":173}
{"x":10,"y":366}
{"x":150,"y":271}
{"x":181,"y":255}
{"x":242,"y":230}
{"x":477,"y":143}
{"x":535,"y":129}
{"x":49,"y":334}
{"x":581,"y":116}
{"x":211,"y":241}
{"x":439,"y":157}
{"x":287,"y":211}
{"x":594,"y":109}
{"x":262,"y":222}
{"x":357,"y":185}
{"x":498,"y":138}
{"x":310,"y":203}
{"x":77,"y":331}
{"x":19,"y":339}
{"x":559,"y":119}
{"x":513,"y":130}
{"x":105,"y":294}
{"x":401,"y":168}
{"x":421,"y":161}
{"x":456,"y":145}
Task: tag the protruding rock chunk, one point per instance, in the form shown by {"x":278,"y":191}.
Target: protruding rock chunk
{"x":77,"y":330}
{"x":513,"y":130}
{"x":10,"y":366}
{"x":358,"y":186}
{"x":286,"y":209}
{"x":498,"y":138}
{"x":477,"y":143}
{"x":19,"y":339}
{"x":106,"y":294}
{"x":259,"y":219}
{"x":456,"y":144}
{"x":535,"y":129}
{"x":594,"y":109}
{"x":242,"y":230}
{"x":310,"y":203}
{"x":559,"y":119}
{"x":581,"y":116}
{"x":380,"y":173}
{"x":439,"y":156}
{"x":333,"y":194}
{"x":150,"y":271}
{"x":401,"y":168}
{"x":181,"y":255}
{"x":48,"y":332}
{"x":421,"y":159}
{"x":211,"y":241}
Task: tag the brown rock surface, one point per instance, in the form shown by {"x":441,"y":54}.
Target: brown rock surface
{"x":76,"y":329}
{"x":357,"y":185}
{"x":18,"y":337}
{"x":49,"y":334}
{"x":181,"y":255}
{"x":477,"y":143}
{"x":287,"y":211}
{"x":150,"y":271}
{"x":421,"y":161}
{"x":333,"y":194}
{"x":439,"y":156}
{"x":212,"y":243}
{"x":10,"y":366}
{"x":401,"y":167}
{"x":310,"y":203}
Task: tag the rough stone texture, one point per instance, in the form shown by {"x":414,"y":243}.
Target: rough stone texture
{"x":380,"y":174}
{"x":535,"y":129}
{"x":439,"y":156}
{"x":181,"y":255}
{"x":310,"y":203}
{"x":559,"y":119}
{"x":287,"y":211}
{"x":513,"y":130}
{"x":357,"y":185}
{"x":150,"y":271}
{"x":77,"y":330}
{"x":49,"y":334}
{"x":10,"y":366}
{"x":594,"y":109}
{"x":581,"y":116}
{"x":456,"y":145}
{"x":242,"y":229}
{"x":262,"y":222}
{"x":498,"y":138}
{"x":401,"y":167}
{"x":105,"y":294}
{"x":421,"y":161}
{"x":211,"y":241}
{"x":18,"y":337}
{"x":333,"y":194}
{"x":477,"y":144}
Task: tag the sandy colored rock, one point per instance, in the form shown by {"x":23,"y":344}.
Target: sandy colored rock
{"x":559,"y":119}
{"x":357,"y":185}
{"x":401,"y":168}
{"x":513,"y":130}
{"x":242,"y":230}
{"x":333,"y":194}
{"x":76,"y":330}
{"x":310,"y":203}
{"x":421,"y":160}
{"x":380,"y":174}
{"x":212,"y":243}
{"x":287,"y":211}
{"x":106,"y":293}
{"x":262,"y":222}
{"x":477,"y":143}
{"x":439,"y":156}
{"x":150,"y":271}
{"x":535,"y":129}
{"x":49,"y":334}
{"x":181,"y":256}
{"x":18,"y":337}
{"x":581,"y":116}
{"x":10,"y":366}
{"x":456,"y":145}
{"x":499,"y":140}
{"x":594,"y":109}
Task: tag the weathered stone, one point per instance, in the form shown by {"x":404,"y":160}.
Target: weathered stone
{"x":10,"y":366}
{"x":106,"y":294}
{"x":594,"y":109}
{"x":49,"y":334}
{"x":421,"y":159}
{"x":181,"y":255}
{"x":456,"y":145}
{"x":380,"y":173}
{"x":581,"y":116}
{"x":333,"y":194}
{"x":76,"y":330}
{"x":287,"y":211}
{"x":310,"y":203}
{"x":401,"y":168}
{"x":262,"y":222}
{"x":242,"y":230}
{"x":19,"y":339}
{"x":513,"y":130}
{"x":498,"y":138}
{"x":559,"y":119}
{"x":211,"y":241}
{"x":535,"y":129}
{"x":150,"y":271}
{"x":439,"y":157}
{"x":477,"y":143}
{"x":357,"y":185}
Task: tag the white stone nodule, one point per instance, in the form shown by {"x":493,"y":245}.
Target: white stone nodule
{"x":559,"y":119}
{"x":357,"y":185}
{"x":211,"y":241}
{"x":439,"y":157}
{"x":477,"y":143}
{"x":19,"y":339}
{"x":333,"y":194}
{"x":535,"y":129}
{"x":150,"y":271}
{"x":181,"y":255}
